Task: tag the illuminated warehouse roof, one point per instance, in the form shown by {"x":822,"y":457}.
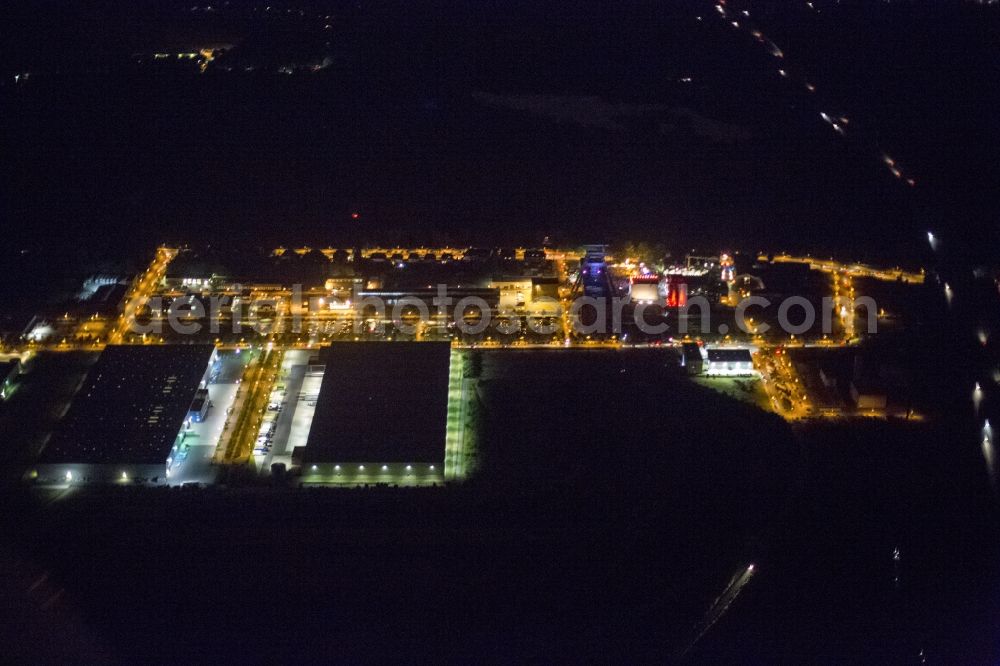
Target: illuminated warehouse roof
{"x":729,"y":361}
{"x":728,"y":355}
{"x":381,"y":402}
{"x":131,"y":406}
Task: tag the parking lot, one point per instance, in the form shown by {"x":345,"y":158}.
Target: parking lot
{"x":198,"y":441}
{"x":273,"y":442}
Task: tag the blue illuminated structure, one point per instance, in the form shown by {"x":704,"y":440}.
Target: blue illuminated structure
{"x":595,"y":279}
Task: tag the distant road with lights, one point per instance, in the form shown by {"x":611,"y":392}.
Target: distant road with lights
{"x":856,"y":269}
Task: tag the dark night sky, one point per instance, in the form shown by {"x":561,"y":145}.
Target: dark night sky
{"x":501,"y":122}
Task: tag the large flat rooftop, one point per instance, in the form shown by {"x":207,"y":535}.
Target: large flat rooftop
{"x":381,"y":402}
{"x":131,"y":405}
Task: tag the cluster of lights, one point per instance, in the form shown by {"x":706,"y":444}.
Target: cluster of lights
{"x":837,"y":123}
{"x":361,"y":468}
{"x":894,"y":169}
